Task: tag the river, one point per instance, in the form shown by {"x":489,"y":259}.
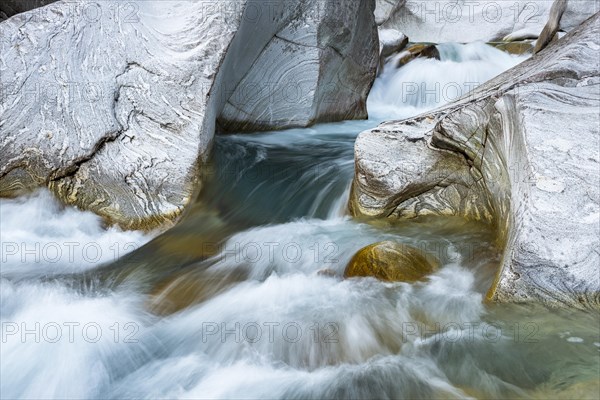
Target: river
{"x":245,"y":297}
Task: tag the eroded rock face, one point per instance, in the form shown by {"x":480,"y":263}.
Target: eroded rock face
{"x":391,"y":262}
{"x":521,"y":152}
{"x":399,"y":176}
{"x":467,"y":21}
{"x":114,"y":107}
{"x":318,"y":66}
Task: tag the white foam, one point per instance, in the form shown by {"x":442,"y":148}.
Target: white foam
{"x":424,"y":84}
{"x":57,"y":343}
{"x":39,"y":235}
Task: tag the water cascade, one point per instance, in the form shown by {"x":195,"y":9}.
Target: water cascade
{"x":252,"y":303}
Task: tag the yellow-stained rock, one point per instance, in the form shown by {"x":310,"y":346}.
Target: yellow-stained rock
{"x":517,"y":48}
{"x":420,"y":50}
{"x":391,"y":262}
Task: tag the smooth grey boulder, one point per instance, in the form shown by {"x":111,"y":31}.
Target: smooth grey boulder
{"x":318,"y":66}
{"x":113,"y":106}
{"x":109,"y":106}
{"x":468,"y":21}
{"x":520,"y":153}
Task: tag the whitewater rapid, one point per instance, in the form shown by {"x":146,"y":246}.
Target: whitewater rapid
{"x":284,"y":323}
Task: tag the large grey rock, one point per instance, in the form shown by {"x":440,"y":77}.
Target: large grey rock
{"x":318,"y":66}
{"x":467,"y":21}
{"x":113,"y":105}
{"x":520,"y":153}
{"x":109,"y":106}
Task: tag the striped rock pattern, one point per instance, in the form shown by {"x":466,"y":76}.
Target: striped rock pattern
{"x":113,"y":106}
{"x":318,"y":66}
{"x":108,"y":106}
{"x":521,"y":152}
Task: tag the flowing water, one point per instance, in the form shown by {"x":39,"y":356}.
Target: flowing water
{"x":245,"y":297}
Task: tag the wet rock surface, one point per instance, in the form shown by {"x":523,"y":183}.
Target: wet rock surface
{"x":421,"y":50}
{"x":391,"y":262}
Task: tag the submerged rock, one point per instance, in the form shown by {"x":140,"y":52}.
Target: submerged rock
{"x":114,"y":108}
{"x":517,"y":47}
{"x":421,"y":50}
{"x":521,"y":153}
{"x":391,"y":262}
{"x":190,"y":288}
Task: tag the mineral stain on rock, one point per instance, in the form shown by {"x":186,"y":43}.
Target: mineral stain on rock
{"x":391,"y":262}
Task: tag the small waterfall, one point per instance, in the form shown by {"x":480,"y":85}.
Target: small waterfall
{"x":339,"y":207}
{"x":424,"y":84}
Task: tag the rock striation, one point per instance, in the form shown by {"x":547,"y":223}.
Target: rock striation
{"x":114,"y":106}
{"x":520,"y":153}
{"x":317,"y":65}
{"x":110,"y":107}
